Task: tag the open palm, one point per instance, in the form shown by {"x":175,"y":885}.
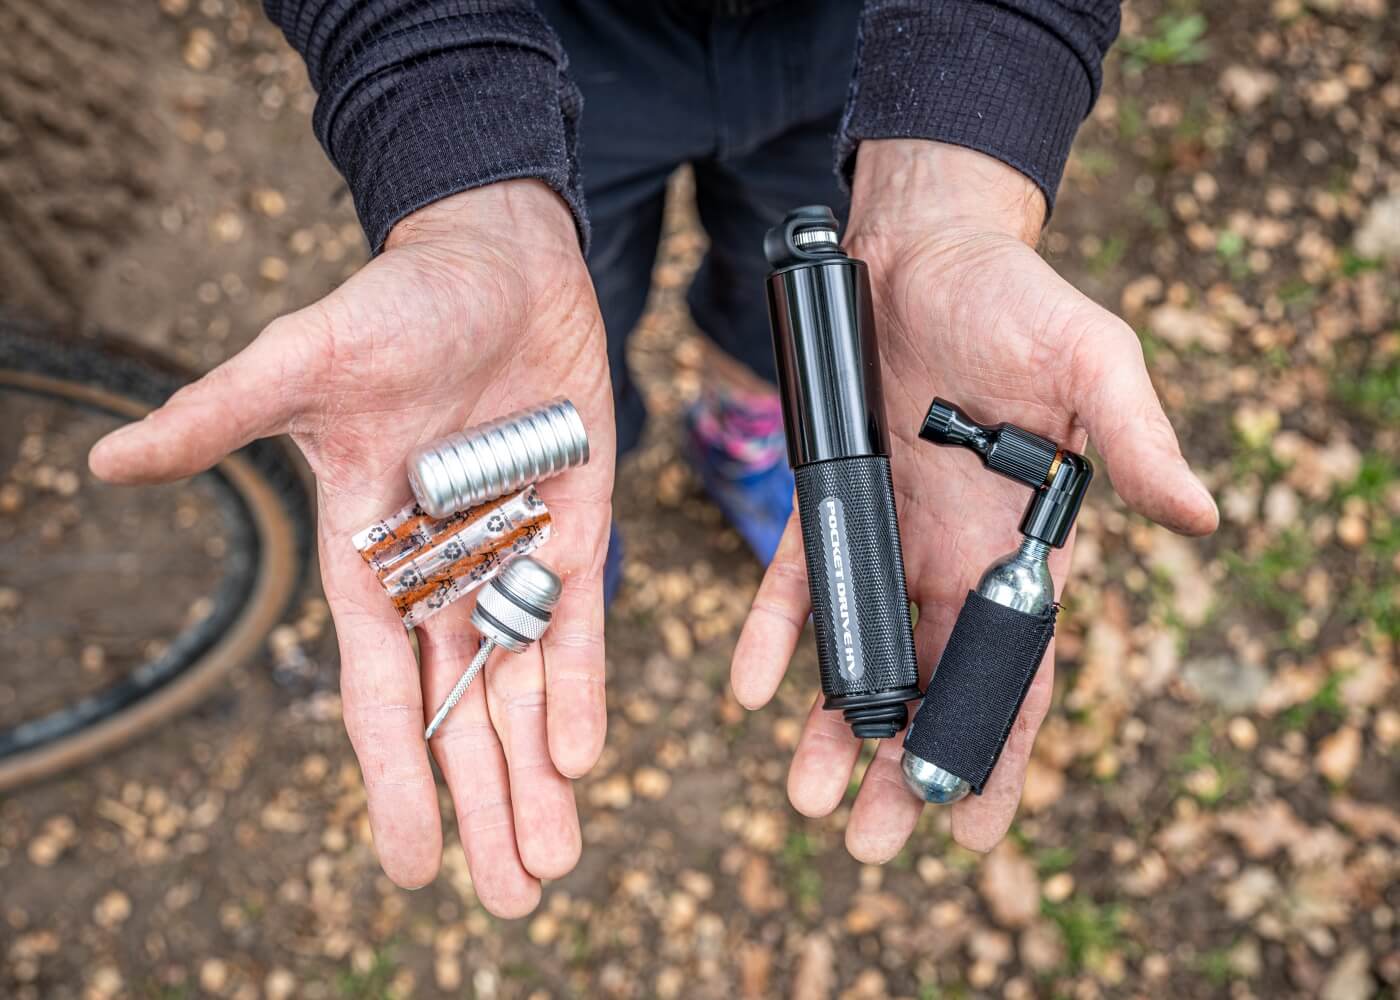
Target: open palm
{"x":976,"y":316}
{"x":481,"y":305}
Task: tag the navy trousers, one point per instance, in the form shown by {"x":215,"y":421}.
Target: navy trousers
{"x":751,"y":100}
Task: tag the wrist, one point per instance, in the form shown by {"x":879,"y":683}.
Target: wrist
{"x":903,"y":184}
{"x":512,"y":209}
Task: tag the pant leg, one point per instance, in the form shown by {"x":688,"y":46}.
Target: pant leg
{"x":647,"y":109}
{"x":781,"y":80}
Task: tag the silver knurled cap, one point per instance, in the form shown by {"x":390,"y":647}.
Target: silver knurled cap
{"x":491,"y":460}
{"x":515,"y":608}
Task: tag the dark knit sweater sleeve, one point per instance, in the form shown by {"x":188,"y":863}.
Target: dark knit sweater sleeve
{"x":420,"y":99}
{"x":1010,"y":78}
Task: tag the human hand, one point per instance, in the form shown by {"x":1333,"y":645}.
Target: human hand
{"x":967,"y":310}
{"x":481,"y":304}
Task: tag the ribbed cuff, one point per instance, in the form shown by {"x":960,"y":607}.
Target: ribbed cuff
{"x":414,"y":131}
{"x":972,"y":74}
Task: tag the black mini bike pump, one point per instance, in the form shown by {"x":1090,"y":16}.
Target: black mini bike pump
{"x":833,"y":412}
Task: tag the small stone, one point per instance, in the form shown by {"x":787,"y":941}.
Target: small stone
{"x":651,"y":783}
{"x":227,"y":227}
{"x":280,"y":984}
{"x":199,"y":49}
{"x":614,"y":792}
{"x":544,"y":929}
{"x":1352,"y":531}
{"x":1059,"y":887}
{"x":676,"y":638}
{"x":1338,"y":754}
{"x":112,"y":910}
{"x":982,"y":974}
{"x":447,"y":972}
{"x":107,"y":981}
{"x":1243,"y":733}
{"x":269,"y":202}
{"x":213,"y":975}
{"x":273,"y":269}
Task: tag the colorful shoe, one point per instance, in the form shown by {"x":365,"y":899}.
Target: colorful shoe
{"x":737,"y":447}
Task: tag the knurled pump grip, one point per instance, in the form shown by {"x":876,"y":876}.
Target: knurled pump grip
{"x":828,"y":364}
{"x":1006,"y":624}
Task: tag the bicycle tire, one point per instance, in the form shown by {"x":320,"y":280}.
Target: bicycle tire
{"x":265,"y":503}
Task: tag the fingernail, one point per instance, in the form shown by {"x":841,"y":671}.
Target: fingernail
{"x":1205,"y":492}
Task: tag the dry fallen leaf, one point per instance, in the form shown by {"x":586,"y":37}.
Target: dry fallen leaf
{"x":1008,"y":884}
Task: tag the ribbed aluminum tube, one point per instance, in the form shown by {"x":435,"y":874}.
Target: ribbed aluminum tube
{"x":491,"y":460}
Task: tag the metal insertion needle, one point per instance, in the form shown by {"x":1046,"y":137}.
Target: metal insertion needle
{"x":514,"y":610}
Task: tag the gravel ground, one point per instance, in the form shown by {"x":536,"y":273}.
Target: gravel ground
{"x":1212,"y":807}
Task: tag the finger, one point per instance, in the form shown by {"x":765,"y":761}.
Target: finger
{"x":980,"y":821}
{"x":474,"y":766}
{"x":542,"y":799}
{"x":573,"y":648}
{"x":822,"y":764}
{"x":1114,"y":399}
{"x":774,"y":624}
{"x":383,"y":707}
{"x":885,"y":811}
{"x":256,"y":393}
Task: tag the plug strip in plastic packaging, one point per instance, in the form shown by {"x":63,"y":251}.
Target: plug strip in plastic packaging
{"x":426,"y":563}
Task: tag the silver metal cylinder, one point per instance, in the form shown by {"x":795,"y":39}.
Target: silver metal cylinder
{"x":491,"y":460}
{"x":515,"y":608}
{"x":1022,"y":582}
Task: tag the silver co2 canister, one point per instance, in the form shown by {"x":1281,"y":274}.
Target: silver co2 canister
{"x":500,"y":457}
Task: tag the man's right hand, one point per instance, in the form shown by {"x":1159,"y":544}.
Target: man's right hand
{"x":480,"y":304}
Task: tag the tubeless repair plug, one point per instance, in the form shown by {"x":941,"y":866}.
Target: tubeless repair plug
{"x":1005,"y":625}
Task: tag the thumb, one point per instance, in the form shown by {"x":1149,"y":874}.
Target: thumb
{"x":254,"y":394}
{"x":1115,"y":401}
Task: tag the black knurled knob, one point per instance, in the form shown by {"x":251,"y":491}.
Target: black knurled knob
{"x":1021,"y":455}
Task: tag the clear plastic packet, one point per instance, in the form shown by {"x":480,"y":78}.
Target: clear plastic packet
{"x":426,"y":563}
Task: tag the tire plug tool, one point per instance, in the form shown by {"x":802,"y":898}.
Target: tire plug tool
{"x":491,"y":460}
{"x":838,"y":445}
{"x":513,"y":611}
{"x":1005,"y":625}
